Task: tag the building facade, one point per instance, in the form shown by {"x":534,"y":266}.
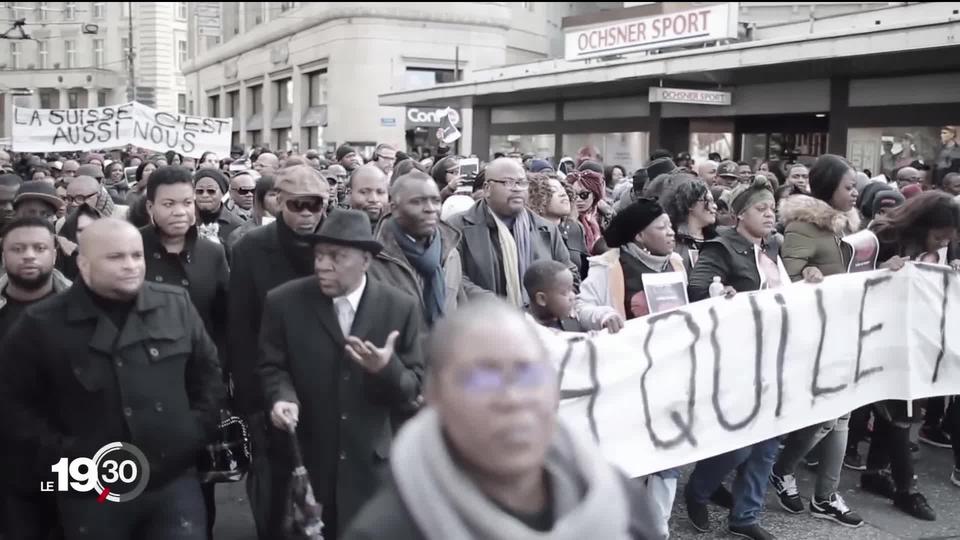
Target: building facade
{"x":308,"y":75}
{"x":77,"y":56}
{"x":877,"y":85}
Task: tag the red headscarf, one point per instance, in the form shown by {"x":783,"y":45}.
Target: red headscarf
{"x":594,"y":183}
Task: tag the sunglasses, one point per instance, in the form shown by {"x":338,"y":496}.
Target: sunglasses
{"x":583,"y":195}
{"x":244,"y":191}
{"x":313,"y":205}
{"x":212,"y":192}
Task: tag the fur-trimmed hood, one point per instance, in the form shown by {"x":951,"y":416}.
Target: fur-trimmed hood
{"x":807,"y":209}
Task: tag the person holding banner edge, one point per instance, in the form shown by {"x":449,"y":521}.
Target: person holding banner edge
{"x":745,"y":259}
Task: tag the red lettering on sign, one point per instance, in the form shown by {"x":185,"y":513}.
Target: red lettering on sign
{"x":680,"y":24}
{"x":692,"y":22}
{"x":703,"y":18}
{"x":667,"y":25}
{"x":582,"y":41}
{"x":642,"y":30}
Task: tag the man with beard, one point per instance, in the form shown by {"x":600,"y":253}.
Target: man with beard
{"x":28,"y":259}
{"x":368,"y":192}
{"x":263,"y":259}
{"x":216,"y":222}
{"x":115,"y":359}
{"x":242,"y":187}
{"x":385,"y":157}
{"x":9,"y":184}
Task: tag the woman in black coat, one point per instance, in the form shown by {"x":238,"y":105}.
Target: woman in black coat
{"x":693,"y":214}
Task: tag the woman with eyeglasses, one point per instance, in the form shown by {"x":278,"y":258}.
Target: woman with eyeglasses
{"x":550,"y":199}
{"x":446,"y":173}
{"x":215,"y":221}
{"x":588,"y":190}
{"x":693,"y":214}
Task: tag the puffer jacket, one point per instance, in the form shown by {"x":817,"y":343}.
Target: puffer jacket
{"x":733,"y":259}
{"x":811,"y":236}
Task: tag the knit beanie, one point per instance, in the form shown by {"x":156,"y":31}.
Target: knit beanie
{"x":345,"y":151}
{"x":630,"y":221}
{"x":217,"y":176}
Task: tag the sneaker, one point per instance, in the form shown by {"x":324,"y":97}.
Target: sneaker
{"x":955,"y":477}
{"x":854,"y":462}
{"x":754,"y":531}
{"x":916,"y":505}
{"x":934,"y":436}
{"x":879,"y":484}
{"x":698,"y":513}
{"x":835,"y":510}
{"x":787,"y":493}
{"x":722,"y":497}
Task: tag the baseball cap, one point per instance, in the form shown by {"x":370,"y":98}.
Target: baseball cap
{"x":728,"y":168}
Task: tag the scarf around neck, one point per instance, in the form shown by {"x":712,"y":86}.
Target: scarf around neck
{"x":297,"y":250}
{"x":428,"y":262}
{"x":591,"y":228}
{"x":658,"y":263}
{"x":590,"y":501}
{"x":517,"y":254}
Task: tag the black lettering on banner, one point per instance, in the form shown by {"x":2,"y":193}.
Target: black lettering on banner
{"x":872,"y":282}
{"x":815,"y":389}
{"x":946,"y":272}
{"x":757,"y":371}
{"x":221,"y":124}
{"x":191,"y":124}
{"x":189,"y":143}
{"x":56,"y":118}
{"x":166,"y":120}
{"x":594,"y":389}
{"x":124,"y":113}
{"x":17,"y":116}
{"x":62,"y":133}
{"x":781,"y":349}
{"x":140,"y":130}
{"x":686,"y":427}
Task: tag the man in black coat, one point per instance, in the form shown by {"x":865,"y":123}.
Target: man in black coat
{"x":339,"y":354}
{"x":115,"y":359}
{"x":265,"y":258}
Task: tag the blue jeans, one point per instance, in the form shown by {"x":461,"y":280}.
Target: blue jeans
{"x":753,"y":465}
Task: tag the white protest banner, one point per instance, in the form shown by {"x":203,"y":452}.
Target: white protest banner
{"x":717,"y":375}
{"x":59,"y":130}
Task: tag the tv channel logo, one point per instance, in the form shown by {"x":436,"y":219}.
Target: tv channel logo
{"x":118,"y":472}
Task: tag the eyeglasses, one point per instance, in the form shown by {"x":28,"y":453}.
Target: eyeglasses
{"x":707,"y":201}
{"x":243,"y":191}
{"x":79,"y":199}
{"x":511,"y":183}
{"x":490,"y":380}
{"x":313,"y":205}
{"x":583,"y":195}
{"x":211,"y":192}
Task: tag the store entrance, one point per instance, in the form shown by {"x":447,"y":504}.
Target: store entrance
{"x":786,"y":139}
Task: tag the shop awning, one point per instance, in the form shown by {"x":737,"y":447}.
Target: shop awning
{"x":315,"y":116}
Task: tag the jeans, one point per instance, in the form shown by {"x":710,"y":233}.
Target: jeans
{"x":753,"y":465}
{"x":833,"y":435}
{"x":174,"y":511}
{"x":859,"y":420}
{"x":934,"y":414}
{"x":890,"y":445}
{"x":952,"y":426}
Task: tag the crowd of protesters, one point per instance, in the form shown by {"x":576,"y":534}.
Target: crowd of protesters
{"x":345,"y":300}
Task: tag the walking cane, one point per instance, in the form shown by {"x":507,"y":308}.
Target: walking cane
{"x":306,"y":521}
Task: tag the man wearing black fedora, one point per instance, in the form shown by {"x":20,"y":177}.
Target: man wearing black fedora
{"x":339,"y":356}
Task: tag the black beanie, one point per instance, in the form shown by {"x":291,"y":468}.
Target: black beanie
{"x":217,"y":176}
{"x":887,"y":198}
{"x":826,"y":174}
{"x":630,"y":221}
{"x":660,"y":166}
{"x":344,"y":151}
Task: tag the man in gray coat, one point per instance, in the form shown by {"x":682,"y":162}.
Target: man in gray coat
{"x":501,"y":237}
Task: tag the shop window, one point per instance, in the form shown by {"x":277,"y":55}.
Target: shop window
{"x":427,"y":77}
{"x":629,"y":150}
{"x":541,"y":146}
{"x":884,"y":150}
{"x":785,"y":147}
{"x":704,"y":144}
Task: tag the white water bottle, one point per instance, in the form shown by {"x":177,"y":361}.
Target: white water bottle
{"x":716,"y":288}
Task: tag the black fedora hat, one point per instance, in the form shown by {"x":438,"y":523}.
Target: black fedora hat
{"x":349,"y":228}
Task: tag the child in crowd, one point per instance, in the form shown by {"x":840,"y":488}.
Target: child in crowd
{"x":549,"y":286}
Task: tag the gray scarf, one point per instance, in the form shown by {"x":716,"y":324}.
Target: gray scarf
{"x":657,"y":263}
{"x":590,"y":500}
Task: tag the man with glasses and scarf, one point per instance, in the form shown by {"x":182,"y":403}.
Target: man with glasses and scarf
{"x":263,"y":259}
{"x":502,"y":238}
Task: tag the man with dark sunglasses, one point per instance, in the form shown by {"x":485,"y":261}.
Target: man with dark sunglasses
{"x":263,"y":259}
{"x":242,"y":186}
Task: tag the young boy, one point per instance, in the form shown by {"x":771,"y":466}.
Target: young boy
{"x":549,"y":286}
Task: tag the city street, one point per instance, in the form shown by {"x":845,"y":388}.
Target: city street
{"x":883,"y":521}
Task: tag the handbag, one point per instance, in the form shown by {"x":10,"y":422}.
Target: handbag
{"x":227,"y":459}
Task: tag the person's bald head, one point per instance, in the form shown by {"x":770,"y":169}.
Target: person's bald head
{"x":83,"y":189}
{"x":907,"y":176}
{"x":111,"y":258}
{"x":506,"y":187}
{"x":268,"y":161}
{"x":368,"y":191}
{"x":69,"y":169}
{"x":707,"y":171}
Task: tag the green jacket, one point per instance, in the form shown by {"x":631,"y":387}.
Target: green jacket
{"x":811,"y":236}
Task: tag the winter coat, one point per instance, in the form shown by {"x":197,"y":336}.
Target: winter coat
{"x":734,"y":259}
{"x":812,"y":233}
{"x":576,"y":242}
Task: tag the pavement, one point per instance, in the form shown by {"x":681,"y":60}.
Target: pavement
{"x":883,"y":521}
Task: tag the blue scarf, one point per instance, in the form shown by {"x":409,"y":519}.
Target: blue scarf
{"x":428,"y":262}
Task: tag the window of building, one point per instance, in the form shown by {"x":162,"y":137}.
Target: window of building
{"x":213,"y":106}
{"x":284,"y":91}
{"x":42,"y":11}
{"x":98,"y":53}
{"x":254,"y":14}
{"x":541,"y":146}
{"x":233,"y":101}
{"x":76,"y":98}
{"x":253,"y":137}
{"x":49,"y":98}
{"x":629,"y":149}
{"x":182,"y":52}
{"x":314,"y":137}
{"x":99,"y":10}
{"x":282,"y":140}
{"x":317,"y":89}
{"x":70,"y":46}
{"x":286,"y":6}
{"x":212,"y":41}
{"x":103,"y":96}
{"x":191,"y":107}
{"x":426,"y":77}
{"x":43,"y":54}
{"x":14,"y":55}
{"x":254,"y":99}
{"x":182,"y":103}
{"x":182,"y":10}
{"x":70,"y":10}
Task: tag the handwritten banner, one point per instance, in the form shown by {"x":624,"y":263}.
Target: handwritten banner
{"x":676,"y":387}
{"x":57,"y":130}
